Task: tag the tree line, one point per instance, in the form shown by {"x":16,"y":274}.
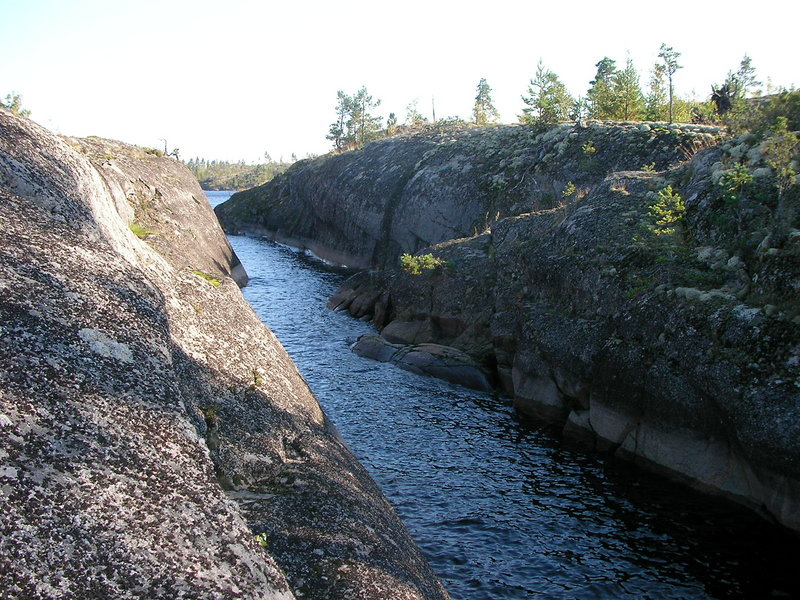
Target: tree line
{"x":615,"y":94}
{"x":224,"y":175}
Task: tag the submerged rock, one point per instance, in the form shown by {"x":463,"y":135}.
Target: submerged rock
{"x":156,"y":441}
{"x":435,"y":360}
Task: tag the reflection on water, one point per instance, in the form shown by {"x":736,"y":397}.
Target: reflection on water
{"x":501,"y":506}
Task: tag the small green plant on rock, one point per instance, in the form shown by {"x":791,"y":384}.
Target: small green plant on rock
{"x":666,"y":212}
{"x":210,"y":416}
{"x":262,"y":539}
{"x":734,"y":183}
{"x":139,"y":230}
{"x":415,"y":264}
{"x":636,"y":284}
{"x":588,"y":148}
{"x":208,"y":277}
{"x":569,"y":190}
{"x":257,"y":380}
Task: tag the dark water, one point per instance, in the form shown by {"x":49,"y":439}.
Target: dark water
{"x":501,"y":506}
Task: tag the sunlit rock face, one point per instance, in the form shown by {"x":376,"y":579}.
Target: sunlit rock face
{"x":365,"y":208}
{"x":677,"y":350}
{"x":156,"y":441}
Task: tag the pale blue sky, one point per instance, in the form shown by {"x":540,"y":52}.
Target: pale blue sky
{"x":231,"y":79}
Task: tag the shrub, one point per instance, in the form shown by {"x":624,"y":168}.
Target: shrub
{"x":666,"y":212}
{"x":734,"y":183}
{"x":759,"y":115}
{"x":415,"y":264}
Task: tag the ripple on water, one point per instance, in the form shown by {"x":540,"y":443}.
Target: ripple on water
{"x":501,"y":508}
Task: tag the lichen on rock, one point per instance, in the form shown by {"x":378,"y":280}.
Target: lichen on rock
{"x":151,"y":427}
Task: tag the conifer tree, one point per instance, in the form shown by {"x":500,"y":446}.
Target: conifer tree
{"x":484,"y":112}
{"x":655,"y":102}
{"x":338,"y":133}
{"x":413,"y":117}
{"x":355,"y":124}
{"x":391,"y":125}
{"x":628,"y":98}
{"x":367,"y":126}
{"x":14,"y":104}
{"x":744,"y":80}
{"x":548,"y":100}
{"x":670,"y":58}
{"x":600,"y":96}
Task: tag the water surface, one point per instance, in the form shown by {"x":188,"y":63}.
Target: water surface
{"x":501,"y":506}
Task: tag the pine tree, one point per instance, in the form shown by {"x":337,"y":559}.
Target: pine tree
{"x":338,"y":133}
{"x":548,"y":100}
{"x":413,"y":117}
{"x":600,"y":97}
{"x":628,"y":98}
{"x":391,"y":125}
{"x":655,"y":103}
{"x":670,"y":58}
{"x":484,"y":111}
{"x":366,"y":126}
{"x":744,"y":80}
{"x":14,"y":104}
{"x":355,"y":125}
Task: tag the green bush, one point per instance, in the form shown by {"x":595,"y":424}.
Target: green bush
{"x":666,"y":212}
{"x":758,"y":116}
{"x":414,"y":265}
{"x":734,"y":184}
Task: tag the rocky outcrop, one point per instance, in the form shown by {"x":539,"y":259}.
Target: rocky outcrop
{"x":156,"y":441}
{"x":365,"y":208}
{"x":677,"y":350}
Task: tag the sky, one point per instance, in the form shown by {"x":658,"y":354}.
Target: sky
{"x":233,"y":79}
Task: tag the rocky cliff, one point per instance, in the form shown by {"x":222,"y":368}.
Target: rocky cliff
{"x":155,"y":439}
{"x":617,"y":279}
{"x":365,"y":208}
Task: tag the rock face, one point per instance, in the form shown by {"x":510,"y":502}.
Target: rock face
{"x":365,"y":208}
{"x":679,"y":351}
{"x":155,"y":439}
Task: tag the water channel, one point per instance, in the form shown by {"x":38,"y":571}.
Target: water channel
{"x":501,"y":506}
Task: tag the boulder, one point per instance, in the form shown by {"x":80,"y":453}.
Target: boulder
{"x":439,"y":361}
